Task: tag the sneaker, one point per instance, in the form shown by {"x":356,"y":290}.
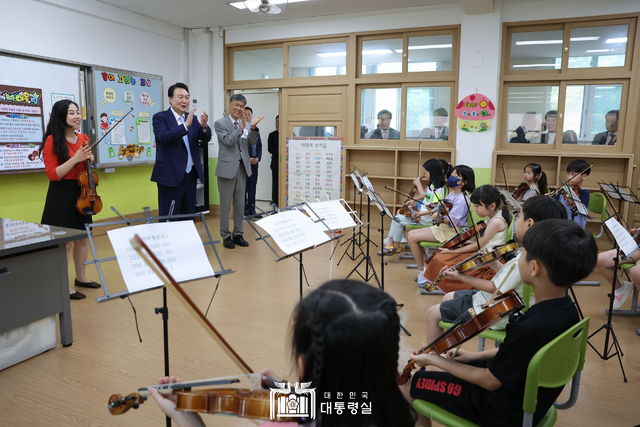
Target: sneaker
{"x":621,"y":295}
{"x":423,"y":281}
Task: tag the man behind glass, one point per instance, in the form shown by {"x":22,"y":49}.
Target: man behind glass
{"x":610,"y":137}
{"x":528,"y":131}
{"x":384,"y":131}
{"x":548,"y":135}
{"x":439,"y":130}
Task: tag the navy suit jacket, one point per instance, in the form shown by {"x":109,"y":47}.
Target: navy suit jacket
{"x":171,"y":154}
{"x":258,"y":150}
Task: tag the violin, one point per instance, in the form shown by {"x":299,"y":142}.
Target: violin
{"x":568,"y":198}
{"x":520,"y":190}
{"x":460,"y":239}
{"x":239,"y":402}
{"x":478,"y":260}
{"x":501,"y":307}
{"x":89,"y":203}
{"x":407,"y":210}
{"x":242,"y":403}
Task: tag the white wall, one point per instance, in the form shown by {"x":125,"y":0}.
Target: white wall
{"x":89,"y":32}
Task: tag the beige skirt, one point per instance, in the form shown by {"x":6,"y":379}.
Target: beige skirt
{"x":443,"y":233}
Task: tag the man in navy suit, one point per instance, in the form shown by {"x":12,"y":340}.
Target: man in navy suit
{"x":177,"y":153}
{"x":255,"y":155}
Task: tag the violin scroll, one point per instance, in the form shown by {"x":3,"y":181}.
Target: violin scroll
{"x":119,"y":405}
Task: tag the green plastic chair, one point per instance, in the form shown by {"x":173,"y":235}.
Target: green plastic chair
{"x":598,"y":205}
{"x":498,"y":335}
{"x":554,"y":365}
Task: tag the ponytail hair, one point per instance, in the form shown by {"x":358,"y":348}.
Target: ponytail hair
{"x":488,"y":194}
{"x":437,"y":178}
{"x":446,"y":168}
{"x":541,"y":179}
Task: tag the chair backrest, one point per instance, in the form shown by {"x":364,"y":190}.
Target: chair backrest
{"x":598,"y":205}
{"x":556,"y":363}
{"x":511,"y":225}
{"x":527,"y":293}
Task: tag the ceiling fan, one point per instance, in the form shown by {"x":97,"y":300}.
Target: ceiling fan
{"x":266,"y":8}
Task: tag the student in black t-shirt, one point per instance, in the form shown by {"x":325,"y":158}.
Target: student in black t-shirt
{"x":487,"y":388}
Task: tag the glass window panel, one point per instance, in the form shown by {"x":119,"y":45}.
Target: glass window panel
{"x":382,"y":56}
{"x":258,"y":64}
{"x":530,"y":111}
{"x":598,"y":46}
{"x":380,"y":113}
{"x":327,"y":59}
{"x":314,"y":131}
{"x":592,"y":113}
{"x":430,"y":53}
{"x":536,"y":50}
{"x":427,"y":113}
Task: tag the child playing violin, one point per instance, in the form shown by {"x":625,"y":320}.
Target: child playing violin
{"x":575,"y":180}
{"x":535,"y":183}
{"x":344,"y":338}
{"x":462,"y":179}
{"x":489,"y":386}
{"x":458,"y":303}
{"x":432,"y":172}
{"x":623,"y":289}
{"x":487,"y":202}
{"x":64,"y":158}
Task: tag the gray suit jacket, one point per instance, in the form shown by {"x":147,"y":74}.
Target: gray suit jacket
{"x":232,"y":148}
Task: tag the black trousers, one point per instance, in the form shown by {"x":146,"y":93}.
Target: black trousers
{"x":250,"y":191}
{"x":274,"y":186}
{"x":184,"y":195}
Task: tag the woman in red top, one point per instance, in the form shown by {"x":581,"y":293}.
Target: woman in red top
{"x":64,"y":158}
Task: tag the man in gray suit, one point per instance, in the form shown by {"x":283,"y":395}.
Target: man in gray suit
{"x":234,"y":137}
{"x":384,"y":131}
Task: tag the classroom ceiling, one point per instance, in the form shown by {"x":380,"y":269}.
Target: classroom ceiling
{"x":218,"y":13}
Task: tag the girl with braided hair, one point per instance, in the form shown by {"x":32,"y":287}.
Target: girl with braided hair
{"x":344,"y":339}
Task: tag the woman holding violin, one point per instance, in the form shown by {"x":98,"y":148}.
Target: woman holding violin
{"x":344,"y":339}
{"x":487,"y":388}
{"x":64,"y":159}
{"x":415,"y":212}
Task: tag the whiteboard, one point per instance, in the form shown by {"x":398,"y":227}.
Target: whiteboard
{"x":314,"y":169}
{"x":55,"y":82}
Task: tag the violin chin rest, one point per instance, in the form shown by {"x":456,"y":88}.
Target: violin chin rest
{"x":88,"y":211}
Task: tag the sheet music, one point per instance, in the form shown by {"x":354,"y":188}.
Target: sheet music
{"x":510,"y":199}
{"x":355,"y":182}
{"x":334,"y":215}
{"x":622,"y":236}
{"x":293,"y":231}
{"x":582,"y":209}
{"x":617,"y":193}
{"x":367,"y":183}
{"x":177,"y":245}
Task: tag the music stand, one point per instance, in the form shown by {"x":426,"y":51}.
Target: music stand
{"x":164,"y":310}
{"x":356,"y":237}
{"x":289,"y":226}
{"x":621,"y":237}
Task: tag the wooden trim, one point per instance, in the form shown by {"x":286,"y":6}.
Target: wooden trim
{"x":594,"y":18}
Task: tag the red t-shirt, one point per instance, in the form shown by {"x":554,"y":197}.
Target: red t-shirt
{"x":51,"y":161}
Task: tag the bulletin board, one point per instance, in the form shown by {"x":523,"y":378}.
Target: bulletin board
{"x":132,"y":141}
{"x":314,"y":169}
{"x":28,"y":89}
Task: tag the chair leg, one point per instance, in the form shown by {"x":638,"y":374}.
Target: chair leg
{"x":573,"y":397}
{"x":480,"y":344}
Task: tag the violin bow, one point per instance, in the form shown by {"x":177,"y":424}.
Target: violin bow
{"x":110,"y":129}
{"x":504,"y":173}
{"x":562,"y":184}
{"x":170,"y":282}
{"x":472,"y":221}
{"x":401,"y":193}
